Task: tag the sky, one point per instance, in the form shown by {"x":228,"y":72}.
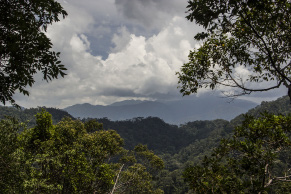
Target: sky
{"x":117,"y":50}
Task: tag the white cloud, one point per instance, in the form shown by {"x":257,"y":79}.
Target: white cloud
{"x":79,"y":44}
{"x":120,"y":39}
{"x":139,"y":65}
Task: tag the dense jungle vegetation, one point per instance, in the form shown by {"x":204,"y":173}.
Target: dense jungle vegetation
{"x":175,"y":150}
{"x":45,"y":150}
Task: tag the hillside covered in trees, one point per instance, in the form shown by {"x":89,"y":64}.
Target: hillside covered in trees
{"x":185,"y":145}
{"x":241,"y":47}
{"x":28,"y":115}
{"x":179,"y":146}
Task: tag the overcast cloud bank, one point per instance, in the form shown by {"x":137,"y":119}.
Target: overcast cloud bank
{"x":117,"y":50}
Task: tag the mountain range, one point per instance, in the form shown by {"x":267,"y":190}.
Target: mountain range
{"x":173,"y":112}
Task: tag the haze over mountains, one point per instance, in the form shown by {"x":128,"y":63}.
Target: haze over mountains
{"x":173,"y":112}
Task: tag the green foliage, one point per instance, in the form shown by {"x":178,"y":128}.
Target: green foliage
{"x":192,"y":141}
{"x":279,"y":106}
{"x":248,"y":162}
{"x":239,"y":34}
{"x":132,"y":176}
{"x":137,"y":169}
{"x":92,"y":125}
{"x":158,"y":135}
{"x":28,"y":115}
{"x":151,"y":159}
{"x":25,"y":49}
{"x":255,"y":36}
{"x":9,"y":155}
{"x":67,"y":158}
{"x":207,"y":136}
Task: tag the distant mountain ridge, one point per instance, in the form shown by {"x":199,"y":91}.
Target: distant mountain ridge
{"x":128,"y":102}
{"x":173,"y":112}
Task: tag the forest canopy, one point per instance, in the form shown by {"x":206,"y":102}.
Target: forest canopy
{"x":245,"y":47}
{"x":71,"y":157}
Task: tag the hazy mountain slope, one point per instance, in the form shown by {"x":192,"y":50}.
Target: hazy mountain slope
{"x":280,"y":106}
{"x":208,"y":108}
{"x":207,"y":134}
{"x":159,"y":136}
{"x":174,"y":112}
{"x":120,"y":112}
{"x":28,"y":115}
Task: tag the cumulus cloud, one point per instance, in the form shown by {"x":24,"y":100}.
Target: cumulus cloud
{"x":137,"y":65}
{"x":120,"y":39}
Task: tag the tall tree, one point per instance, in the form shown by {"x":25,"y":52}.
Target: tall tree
{"x":24,"y":47}
{"x":256,"y":159}
{"x":239,"y":34}
{"x":10,"y":168}
{"x":252,"y":37}
{"x":71,"y":157}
